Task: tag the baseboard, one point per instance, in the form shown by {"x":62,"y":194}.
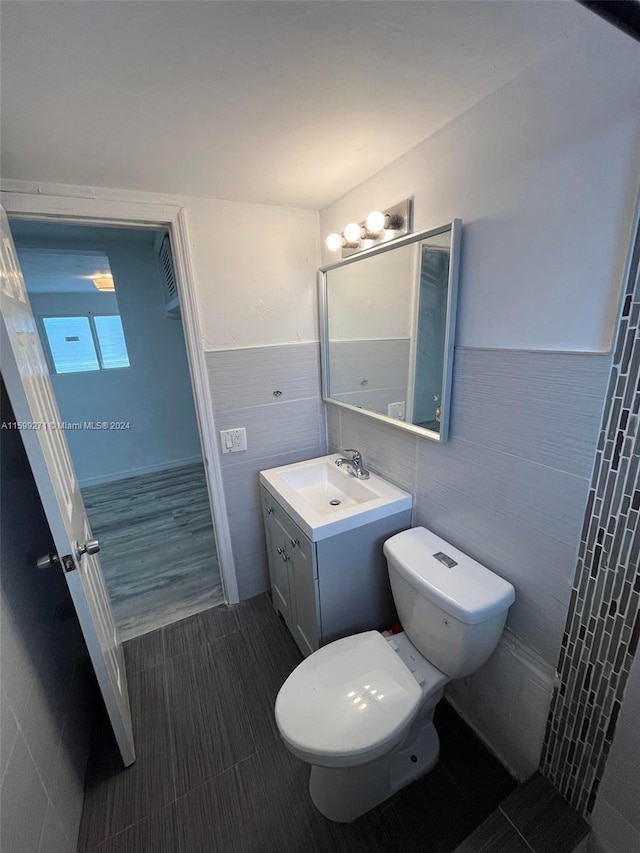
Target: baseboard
{"x":87,"y":482}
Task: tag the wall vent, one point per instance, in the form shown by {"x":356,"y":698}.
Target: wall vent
{"x":170,"y":288}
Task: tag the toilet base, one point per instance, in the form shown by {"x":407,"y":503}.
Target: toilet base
{"x":343,"y":794}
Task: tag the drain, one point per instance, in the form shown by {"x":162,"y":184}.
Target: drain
{"x":335,"y":502}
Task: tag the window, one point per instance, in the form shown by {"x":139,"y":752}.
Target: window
{"x":71,"y":344}
{"x":113,"y":349}
{"x":77,"y":344}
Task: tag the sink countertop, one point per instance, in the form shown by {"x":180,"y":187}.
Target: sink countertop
{"x":305,"y":490}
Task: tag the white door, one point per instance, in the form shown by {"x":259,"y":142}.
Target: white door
{"x":26,"y":377}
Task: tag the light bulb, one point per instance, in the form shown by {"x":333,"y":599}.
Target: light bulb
{"x":334,"y":241}
{"x":352,"y":232}
{"x":375,"y":221}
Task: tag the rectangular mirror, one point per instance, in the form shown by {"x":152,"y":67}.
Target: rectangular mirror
{"x":388,"y":329}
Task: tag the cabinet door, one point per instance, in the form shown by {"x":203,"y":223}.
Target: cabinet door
{"x":276,"y":554}
{"x":304,"y":592}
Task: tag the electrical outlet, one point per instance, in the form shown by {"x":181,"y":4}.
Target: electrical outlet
{"x":397,"y":410}
{"x":233,"y":440}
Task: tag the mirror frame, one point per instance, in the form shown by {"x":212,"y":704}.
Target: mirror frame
{"x":450,"y":331}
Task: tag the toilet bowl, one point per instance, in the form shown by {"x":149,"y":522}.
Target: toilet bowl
{"x":360,"y":710}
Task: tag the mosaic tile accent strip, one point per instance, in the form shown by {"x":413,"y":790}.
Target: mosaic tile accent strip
{"x":603,"y":624}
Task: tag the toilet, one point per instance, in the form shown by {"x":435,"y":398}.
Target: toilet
{"x":360,"y":710}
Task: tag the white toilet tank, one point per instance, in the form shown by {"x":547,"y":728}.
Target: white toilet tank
{"x":452,"y":608}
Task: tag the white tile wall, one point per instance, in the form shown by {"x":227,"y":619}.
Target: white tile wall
{"x":611,"y":832}
{"x":16,"y":663}
{"x":53,"y":838}
{"x":242,"y":378}
{"x":616,"y":816}
{"x":253,"y":574}
{"x":247,"y":533}
{"x":24,"y":801}
{"x":388,"y":451}
{"x":507,"y":702}
{"x":274,"y":429}
{"x":545,"y":407}
{"x":498,"y":490}
{"x":8,"y":732}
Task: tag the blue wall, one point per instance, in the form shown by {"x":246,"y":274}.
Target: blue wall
{"x":154,"y":394}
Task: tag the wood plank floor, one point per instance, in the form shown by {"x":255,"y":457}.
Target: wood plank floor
{"x":157,"y":547}
{"x":212,"y":775}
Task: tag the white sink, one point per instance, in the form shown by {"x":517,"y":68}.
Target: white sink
{"x":325,"y":488}
{"x":324,"y":499}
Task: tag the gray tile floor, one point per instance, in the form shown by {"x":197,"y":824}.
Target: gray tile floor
{"x":535,"y":818}
{"x":158,"y":550}
{"x":212,"y":774}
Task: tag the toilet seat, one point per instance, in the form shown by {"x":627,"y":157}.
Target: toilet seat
{"x":348,"y":703}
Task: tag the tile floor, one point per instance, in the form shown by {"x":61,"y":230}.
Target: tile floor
{"x":535,"y":818}
{"x":212,"y":774}
{"x":158,"y":550}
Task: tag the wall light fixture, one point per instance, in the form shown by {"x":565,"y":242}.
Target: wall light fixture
{"x":104,"y":283}
{"x":380,"y":226}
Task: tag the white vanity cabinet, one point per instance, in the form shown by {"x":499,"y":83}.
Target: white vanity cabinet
{"x":332,"y":587}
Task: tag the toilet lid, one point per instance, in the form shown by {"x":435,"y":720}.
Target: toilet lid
{"x":347,"y":703}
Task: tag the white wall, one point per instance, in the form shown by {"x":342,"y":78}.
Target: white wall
{"x":255,"y":267}
{"x":543,"y":174}
{"x":153,"y":394}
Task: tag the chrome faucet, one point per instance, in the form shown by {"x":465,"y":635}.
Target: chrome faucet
{"x":354,"y":461}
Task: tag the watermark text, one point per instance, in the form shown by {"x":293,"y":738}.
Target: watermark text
{"x":65,"y":426}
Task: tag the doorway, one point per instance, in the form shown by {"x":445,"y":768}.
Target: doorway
{"x":108,"y":315}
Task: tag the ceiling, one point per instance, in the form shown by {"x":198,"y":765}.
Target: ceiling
{"x":59,"y":257}
{"x":290,"y":103}
{"x":49,"y":271}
